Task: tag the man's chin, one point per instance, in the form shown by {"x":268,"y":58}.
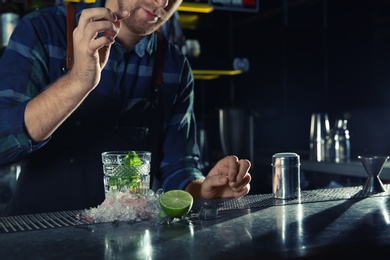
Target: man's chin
{"x":148,"y":31}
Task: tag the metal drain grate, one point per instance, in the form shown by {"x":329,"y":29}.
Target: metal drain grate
{"x":69,"y":218}
{"x":39,"y":221}
{"x":267,"y":200}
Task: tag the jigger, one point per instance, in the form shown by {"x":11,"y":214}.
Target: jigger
{"x":373,"y":166}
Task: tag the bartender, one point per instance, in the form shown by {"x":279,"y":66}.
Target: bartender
{"x":57,"y":120}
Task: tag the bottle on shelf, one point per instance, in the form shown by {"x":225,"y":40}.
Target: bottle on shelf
{"x":319,"y":134}
{"x":339,"y":146}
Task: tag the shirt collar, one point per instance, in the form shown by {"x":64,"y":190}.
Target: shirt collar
{"x":147,"y":44}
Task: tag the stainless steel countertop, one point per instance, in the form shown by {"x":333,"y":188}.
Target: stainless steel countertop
{"x":324,"y":223}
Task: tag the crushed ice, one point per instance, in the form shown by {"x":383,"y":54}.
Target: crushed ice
{"x":124,"y":206}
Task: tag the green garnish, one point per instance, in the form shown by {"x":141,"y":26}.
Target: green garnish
{"x":132,"y":159}
{"x":127,"y":174}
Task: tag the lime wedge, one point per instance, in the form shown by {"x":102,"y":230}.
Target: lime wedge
{"x":176,"y":203}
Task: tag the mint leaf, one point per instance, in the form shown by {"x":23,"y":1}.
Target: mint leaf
{"x":132,"y":159}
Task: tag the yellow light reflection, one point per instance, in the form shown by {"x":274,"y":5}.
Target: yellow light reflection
{"x":80,"y":1}
{"x":195,"y":7}
{"x":189,"y":18}
{"x":217,"y":72}
{"x":189,"y":21}
{"x":206,"y":77}
{"x":214,"y":74}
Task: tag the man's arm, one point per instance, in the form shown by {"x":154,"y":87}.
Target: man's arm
{"x":45,"y":113}
{"x":65,"y":95}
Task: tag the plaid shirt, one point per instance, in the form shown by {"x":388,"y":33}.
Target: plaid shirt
{"x":36,"y":56}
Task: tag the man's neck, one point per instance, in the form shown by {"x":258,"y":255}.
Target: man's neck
{"x":127,"y":38}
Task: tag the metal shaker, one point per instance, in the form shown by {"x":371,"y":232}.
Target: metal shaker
{"x":286,"y":175}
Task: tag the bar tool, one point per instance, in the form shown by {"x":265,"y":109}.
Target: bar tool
{"x":286,"y":175}
{"x":373,"y":166}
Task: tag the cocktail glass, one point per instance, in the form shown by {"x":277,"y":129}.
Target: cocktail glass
{"x":373,"y":166}
{"x":127,"y":171}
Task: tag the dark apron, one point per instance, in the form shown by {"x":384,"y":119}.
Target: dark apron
{"x":67,"y":173}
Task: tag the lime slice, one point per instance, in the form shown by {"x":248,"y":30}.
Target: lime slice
{"x":176,"y":203}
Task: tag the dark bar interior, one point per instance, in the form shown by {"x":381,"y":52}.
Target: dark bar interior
{"x":262,"y":70}
{"x":304,"y":57}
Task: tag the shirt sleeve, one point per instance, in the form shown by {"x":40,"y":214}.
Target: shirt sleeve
{"x":22,"y":73}
{"x":180,"y":163}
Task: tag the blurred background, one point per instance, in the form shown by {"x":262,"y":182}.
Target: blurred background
{"x":304,"y":56}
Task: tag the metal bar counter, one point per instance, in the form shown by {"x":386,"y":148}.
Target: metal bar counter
{"x":324,"y":223}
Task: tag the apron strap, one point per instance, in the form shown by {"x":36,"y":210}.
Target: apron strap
{"x":70,"y":25}
{"x":156,"y":131}
{"x":157,"y":71}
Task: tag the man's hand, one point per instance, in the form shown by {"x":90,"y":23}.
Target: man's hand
{"x":92,"y":40}
{"x":227,"y":179}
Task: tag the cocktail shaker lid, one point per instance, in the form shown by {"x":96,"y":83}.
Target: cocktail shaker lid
{"x":285,"y":159}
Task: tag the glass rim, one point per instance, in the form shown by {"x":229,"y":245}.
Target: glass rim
{"x":120,"y":152}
